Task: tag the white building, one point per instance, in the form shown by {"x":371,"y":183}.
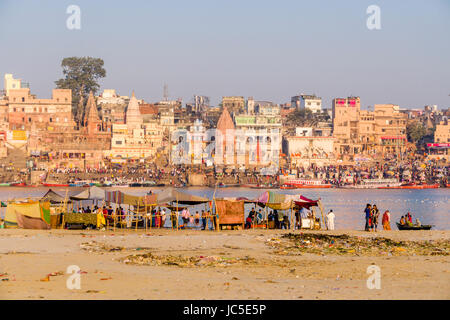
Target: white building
{"x":305,"y":101}
{"x":304,"y":150}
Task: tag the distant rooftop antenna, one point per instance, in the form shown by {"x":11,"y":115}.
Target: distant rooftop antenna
{"x":166,"y":92}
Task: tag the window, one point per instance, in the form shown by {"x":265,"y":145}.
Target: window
{"x":50,"y":119}
{"x":23,"y":99}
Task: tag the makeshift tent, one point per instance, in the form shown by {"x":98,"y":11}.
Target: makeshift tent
{"x":276,"y":201}
{"x":304,"y":202}
{"x":54,"y":197}
{"x":122,"y":198}
{"x":230,"y":211}
{"x":171,"y":195}
{"x":91,"y":193}
{"x":39,"y":210}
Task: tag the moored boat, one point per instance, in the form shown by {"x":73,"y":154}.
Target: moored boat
{"x":305,"y":183}
{"x":413,"y":227}
{"x":55,"y":185}
{"x":375,"y":184}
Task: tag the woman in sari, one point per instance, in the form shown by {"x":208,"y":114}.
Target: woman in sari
{"x":386,"y":220}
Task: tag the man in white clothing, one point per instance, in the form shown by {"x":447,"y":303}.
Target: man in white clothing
{"x":330,"y":220}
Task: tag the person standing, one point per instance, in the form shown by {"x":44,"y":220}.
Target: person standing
{"x":203,"y":220}
{"x":375,"y":215}
{"x":280,"y":219}
{"x":367,"y":212}
{"x":386,"y":220}
{"x":330,"y":220}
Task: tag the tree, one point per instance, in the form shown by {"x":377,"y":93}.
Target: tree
{"x":306,"y":118}
{"x":81,"y":75}
{"x":415,"y":131}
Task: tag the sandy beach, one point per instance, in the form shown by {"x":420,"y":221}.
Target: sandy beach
{"x":249,"y":264}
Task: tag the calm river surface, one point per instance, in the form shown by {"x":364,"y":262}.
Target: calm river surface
{"x":431,"y":206}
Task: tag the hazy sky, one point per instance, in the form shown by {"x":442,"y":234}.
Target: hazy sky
{"x":270,"y":50}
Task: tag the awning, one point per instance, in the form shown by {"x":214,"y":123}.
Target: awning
{"x":92,"y":193}
{"x":279,"y":201}
{"x":168,"y":195}
{"x":304,"y":202}
{"x":54,"y":197}
{"x":122,"y":198}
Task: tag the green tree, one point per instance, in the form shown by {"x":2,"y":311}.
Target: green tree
{"x":415,"y":131}
{"x":81,"y":75}
{"x":305,"y":117}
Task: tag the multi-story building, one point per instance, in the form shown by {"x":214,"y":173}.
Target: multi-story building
{"x":201,"y":104}
{"x":382,"y":131}
{"x":442,"y":133}
{"x":25,"y":109}
{"x":306,"y":101}
{"x":390,"y":129}
{"x":233,"y":104}
{"x":440,"y":148}
{"x":345,"y":124}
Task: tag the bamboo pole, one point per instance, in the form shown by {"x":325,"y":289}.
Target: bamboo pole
{"x":321,"y":210}
{"x":137,"y":216}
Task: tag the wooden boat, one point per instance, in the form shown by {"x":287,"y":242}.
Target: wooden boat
{"x":419,"y":186}
{"x":287,"y":187}
{"x":413,"y":227}
{"x":55,"y":185}
{"x":264,"y":187}
{"x":304,"y":183}
{"x":18,"y":184}
{"x":375,"y":184}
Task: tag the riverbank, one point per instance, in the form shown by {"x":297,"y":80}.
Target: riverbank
{"x":249,"y":264}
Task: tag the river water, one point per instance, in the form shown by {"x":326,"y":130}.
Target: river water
{"x":431,"y":206}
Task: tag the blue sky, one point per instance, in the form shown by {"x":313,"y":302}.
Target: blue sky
{"x":270,"y":50}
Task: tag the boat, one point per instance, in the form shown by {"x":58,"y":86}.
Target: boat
{"x":261,"y":186}
{"x":287,"y":187}
{"x":419,"y":186}
{"x":55,"y":185}
{"x":413,"y":227}
{"x":375,"y":184}
{"x":18,"y":184}
{"x":5,"y":184}
{"x":305,"y":183}
{"x":135,"y":185}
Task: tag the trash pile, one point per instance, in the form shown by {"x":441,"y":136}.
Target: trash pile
{"x":323,"y":244}
{"x":94,"y":246}
{"x":182,"y":261}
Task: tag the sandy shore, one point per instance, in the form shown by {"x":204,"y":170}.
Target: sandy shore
{"x":245,"y":265}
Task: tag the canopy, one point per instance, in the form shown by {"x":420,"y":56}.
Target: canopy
{"x":279,"y":201}
{"x":122,"y":198}
{"x":53,"y":197}
{"x":276,"y":201}
{"x":171,"y":195}
{"x":92,"y":193}
{"x":304,"y":202}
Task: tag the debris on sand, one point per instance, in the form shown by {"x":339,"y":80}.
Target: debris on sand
{"x":324,"y":244}
{"x":94,"y":246}
{"x":182,"y":261}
